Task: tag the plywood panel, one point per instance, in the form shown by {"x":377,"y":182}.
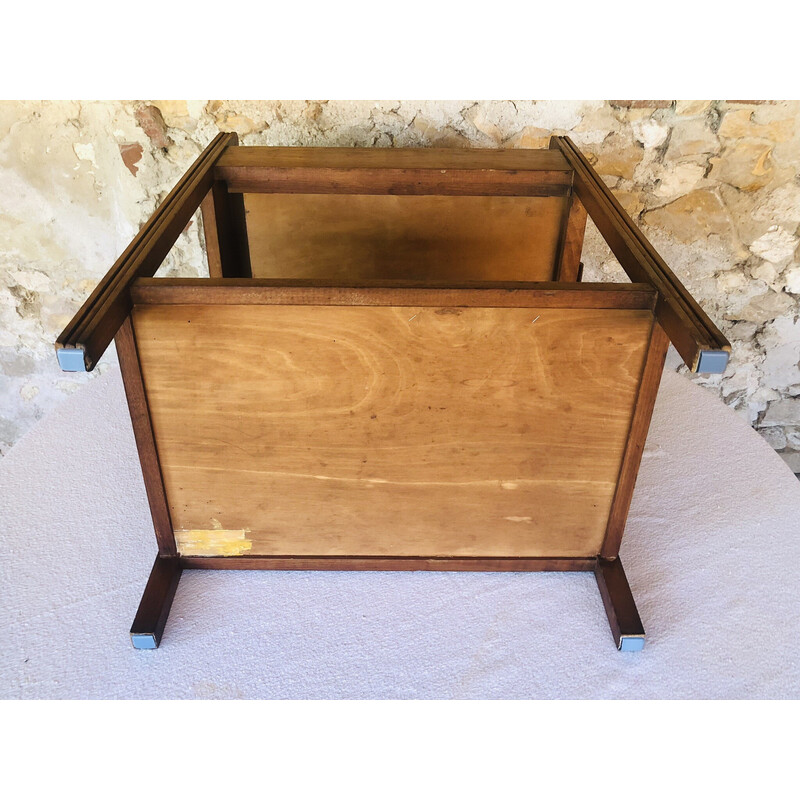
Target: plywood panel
{"x":324,"y":430}
{"x":355,"y":237}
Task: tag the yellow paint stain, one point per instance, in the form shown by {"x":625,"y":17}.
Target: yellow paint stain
{"x":214,"y":542}
{"x":519,"y":519}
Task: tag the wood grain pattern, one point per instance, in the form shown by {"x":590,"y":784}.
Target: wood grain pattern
{"x":357,"y":237}
{"x":569,"y":259}
{"x":396,"y":431}
{"x":208,"y":212}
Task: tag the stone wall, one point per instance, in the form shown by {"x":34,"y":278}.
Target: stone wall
{"x":714,"y":184}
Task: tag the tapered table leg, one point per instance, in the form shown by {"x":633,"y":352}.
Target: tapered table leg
{"x":626,"y":626}
{"x":148,"y":625}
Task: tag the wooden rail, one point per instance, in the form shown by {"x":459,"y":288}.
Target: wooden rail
{"x":700,"y":343}
{"x":480,"y":294}
{"x":419,"y":171}
{"x":91,"y":330}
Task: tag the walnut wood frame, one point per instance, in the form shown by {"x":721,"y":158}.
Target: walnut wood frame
{"x":215,"y":183}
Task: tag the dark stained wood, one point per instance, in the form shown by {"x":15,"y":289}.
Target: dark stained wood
{"x":569,"y":262}
{"x":686,"y":324}
{"x":642,"y":414}
{"x":618,"y":601}
{"x":343,"y":170}
{"x":390,"y":563}
{"x":237,"y":241}
{"x":389,"y":158}
{"x":252,"y":180}
{"x":193,"y":291}
{"x":151,"y":617}
{"x":145,"y":441}
{"x":93,"y":327}
{"x":226,"y":233}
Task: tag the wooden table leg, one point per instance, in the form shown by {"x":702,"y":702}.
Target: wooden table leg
{"x":626,"y":626}
{"x":151,"y":617}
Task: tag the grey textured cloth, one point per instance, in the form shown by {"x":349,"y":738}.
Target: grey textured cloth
{"x":711,"y":551}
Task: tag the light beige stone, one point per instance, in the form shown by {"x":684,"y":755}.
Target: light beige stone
{"x":780,"y":340}
{"x":679,"y":179}
{"x":792,"y":460}
{"x":766,"y":272}
{"x":691,"y":108}
{"x":775,"y":246}
{"x":237,"y":123}
{"x":483,"y":121}
{"x":529,"y":137}
{"x":746,"y":164}
{"x":618,"y":155}
{"x":650,"y":133}
{"x":692,"y":138}
{"x":739,"y":124}
{"x":775,"y":437}
{"x":763,"y":308}
{"x":692,"y":217}
{"x":792,"y":280}
{"x":783,"y":412}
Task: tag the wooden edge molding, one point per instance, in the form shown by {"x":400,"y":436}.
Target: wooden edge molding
{"x":203,"y":291}
{"x":93,"y":327}
{"x":700,"y":343}
{"x":390,"y":563}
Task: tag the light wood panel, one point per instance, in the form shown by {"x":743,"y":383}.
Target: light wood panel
{"x":353,"y":237}
{"x":392,"y":431}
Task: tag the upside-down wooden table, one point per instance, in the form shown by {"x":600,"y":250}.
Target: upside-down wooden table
{"x":393,"y":365}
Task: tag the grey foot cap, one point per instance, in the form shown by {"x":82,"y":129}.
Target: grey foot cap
{"x":631,"y":644}
{"x":713,"y":361}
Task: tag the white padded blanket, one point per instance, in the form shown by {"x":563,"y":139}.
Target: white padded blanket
{"x":712,"y":552}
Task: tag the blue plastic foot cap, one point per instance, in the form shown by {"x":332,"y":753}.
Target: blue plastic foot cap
{"x":144,"y":641}
{"x":71,"y":360}
{"x":630,"y":644}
